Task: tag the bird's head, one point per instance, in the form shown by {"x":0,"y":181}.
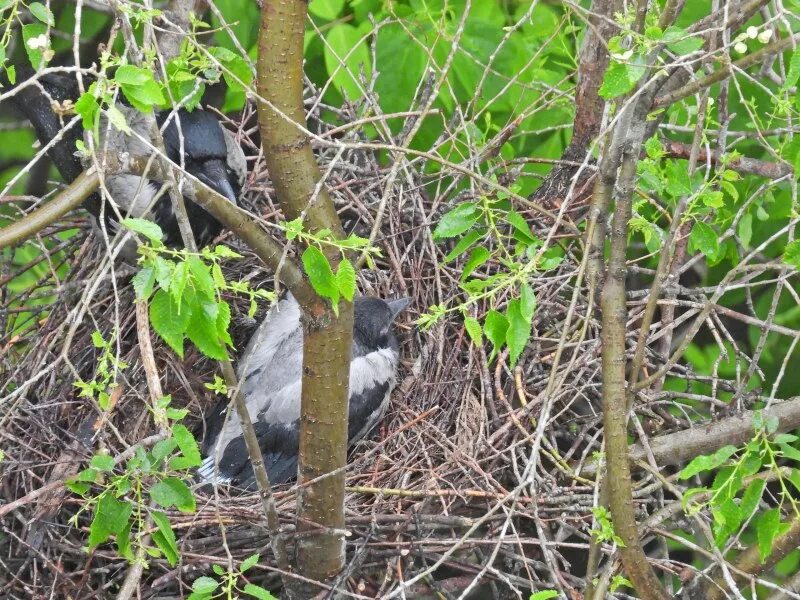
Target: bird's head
{"x":372,"y":321}
{"x":205,"y":151}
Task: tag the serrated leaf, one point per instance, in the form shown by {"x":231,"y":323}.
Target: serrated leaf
{"x":617,"y":81}
{"x":110,"y":518}
{"x":144,"y":227}
{"x":793,"y":73}
{"x":463,"y":244}
{"x":751,"y":498}
{"x":172,"y":491}
{"x":477,"y":257}
{"x":118,"y":119}
{"x":165,"y":537}
{"x":457,"y":221}
{"x":544,"y":595}
{"x":87,"y":107}
{"x":519,"y":331}
{"x":521,"y":226}
{"x":527,"y":300}
{"x":319,"y":273}
{"x":705,"y":239}
{"x":225,"y":252}
{"x":169,"y":322}
{"x":249,"y":563}
{"x":202,"y":280}
{"x":187,"y":444}
{"x":707,"y":462}
{"x":495,"y":326}
{"x":41,"y":12}
{"x":163,"y":449}
{"x":36,"y":42}
{"x":791,"y":254}
{"x":143,"y":282}
{"x":102,"y":462}
{"x":326,"y":9}
{"x":124,"y":542}
{"x":204,"y":334}
{"x":474,"y":331}
{"x":224,"y":322}
{"x":204,"y":585}
{"x":346,"y":55}
{"x":139,"y":87}
{"x":346,"y":279}
{"x":680,"y":42}
{"x":258,"y":592}
{"x":766,"y":531}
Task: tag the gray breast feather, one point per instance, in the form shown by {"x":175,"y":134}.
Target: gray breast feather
{"x":270,"y":371}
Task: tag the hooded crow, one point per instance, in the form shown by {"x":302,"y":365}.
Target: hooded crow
{"x":270,"y":375}
{"x":194,"y":139}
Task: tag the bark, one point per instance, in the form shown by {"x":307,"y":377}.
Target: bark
{"x":327,"y":340}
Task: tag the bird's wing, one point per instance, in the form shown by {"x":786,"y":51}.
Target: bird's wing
{"x":270,"y":378}
{"x":372,"y":379}
{"x":236,"y":160}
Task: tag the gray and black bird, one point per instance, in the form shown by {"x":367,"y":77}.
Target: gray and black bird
{"x":194,"y":139}
{"x":270,"y":372}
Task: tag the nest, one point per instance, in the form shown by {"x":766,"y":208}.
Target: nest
{"x":456,"y":475}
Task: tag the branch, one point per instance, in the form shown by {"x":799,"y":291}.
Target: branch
{"x":681,"y":447}
{"x":752,"y":166}
{"x":327,"y":338}
{"x":69,"y":199}
{"x":726,"y":71}
{"x":749,"y":561}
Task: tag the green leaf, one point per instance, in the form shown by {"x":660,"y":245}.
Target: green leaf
{"x":187,"y":444}
{"x":326,"y":9}
{"x":249,"y":562}
{"x":34,"y":37}
{"x":168,"y":321}
{"x":203,"y":333}
{"x":165,"y":537}
{"x":518,"y":222}
{"x":41,"y":12}
{"x":619,"y":79}
{"x":118,"y":119}
{"x":102,"y":462}
{"x":457,"y":221}
{"x":745,"y":229}
{"x":473,"y":330}
{"x":346,"y":55}
{"x":791,"y":254}
{"x":495,"y":326}
{"x":527,"y":303}
{"x":224,"y":252}
{"x":202,"y":279}
{"x":790,"y":452}
{"x":707,"y":462}
{"x":346,"y":279}
{"x":143,"y":282}
{"x":139,"y":87}
{"x":223,"y":322}
{"x":767,"y":530}
{"x":204,"y":585}
{"x":110,"y":517}
{"x":258,"y":592}
{"x":544,"y":595}
{"x":144,"y":227}
{"x":477,"y":257}
{"x":751,"y":498}
{"x":320,"y":274}
{"x":705,"y":239}
{"x":519,"y":331}
{"x":172,"y":491}
{"x":87,"y":107}
{"x":680,"y":42}
{"x":236,"y":69}
{"x":793,"y":73}
{"x":463,"y":244}
{"x":163,"y":449}
{"x":124,"y":542}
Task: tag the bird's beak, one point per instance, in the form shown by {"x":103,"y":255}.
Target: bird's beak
{"x":397,"y":306}
{"x":214,"y":174}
